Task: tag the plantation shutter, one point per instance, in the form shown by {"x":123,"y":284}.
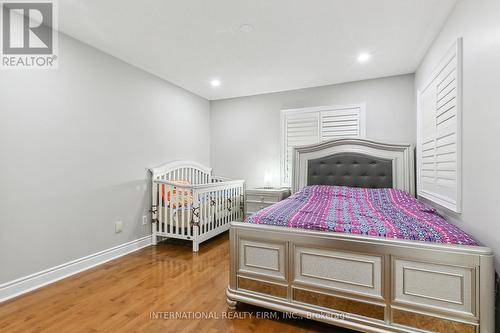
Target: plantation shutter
{"x":314,"y":125}
{"x":300,"y":129}
{"x":340,"y":123}
{"x":438,"y":145}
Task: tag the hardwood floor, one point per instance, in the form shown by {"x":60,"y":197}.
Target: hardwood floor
{"x":138,"y":292}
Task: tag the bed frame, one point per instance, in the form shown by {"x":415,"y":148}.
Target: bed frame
{"x":201,"y":209}
{"x":368,"y":284}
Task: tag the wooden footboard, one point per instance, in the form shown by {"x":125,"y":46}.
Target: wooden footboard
{"x":364,"y":283}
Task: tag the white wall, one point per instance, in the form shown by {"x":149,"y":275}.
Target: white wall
{"x":74,"y":145}
{"x":245,"y":131}
{"x":478,"y":22}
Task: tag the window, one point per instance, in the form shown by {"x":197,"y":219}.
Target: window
{"x":313,"y":125}
{"x":439,"y":132}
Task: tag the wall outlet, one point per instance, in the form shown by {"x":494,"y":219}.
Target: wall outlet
{"x":144,"y":220}
{"x":118,"y":226}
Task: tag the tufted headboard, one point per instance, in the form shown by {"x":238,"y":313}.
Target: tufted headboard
{"x":354,"y":162}
{"x":350,"y":169}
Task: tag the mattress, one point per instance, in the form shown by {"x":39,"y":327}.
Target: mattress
{"x":209,"y":212}
{"x":389,"y":213}
{"x":183,"y":213}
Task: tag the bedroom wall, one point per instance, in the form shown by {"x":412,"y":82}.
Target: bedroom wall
{"x":74,"y":145}
{"x":245,"y":131}
{"x":478,"y":22}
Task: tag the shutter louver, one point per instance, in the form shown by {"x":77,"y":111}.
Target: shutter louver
{"x":300,"y":129}
{"x":340,"y":123}
{"x":314,"y":125}
{"x":439,"y":134}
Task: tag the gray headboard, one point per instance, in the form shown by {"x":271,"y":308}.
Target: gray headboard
{"x":354,"y":162}
{"x":350,"y":169}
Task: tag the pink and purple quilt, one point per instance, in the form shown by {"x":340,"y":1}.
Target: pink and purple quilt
{"x":389,"y":213}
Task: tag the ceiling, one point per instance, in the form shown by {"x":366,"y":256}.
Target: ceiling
{"x":293,"y":44}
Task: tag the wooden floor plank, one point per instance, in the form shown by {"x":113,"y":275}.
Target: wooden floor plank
{"x":120,"y":295}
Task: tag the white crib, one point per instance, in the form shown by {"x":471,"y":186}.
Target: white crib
{"x":188,"y":202}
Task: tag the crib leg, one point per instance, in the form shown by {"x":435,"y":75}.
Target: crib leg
{"x":196,"y":246}
{"x":154,"y":238}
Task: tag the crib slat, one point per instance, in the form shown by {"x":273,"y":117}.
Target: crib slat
{"x":186,"y":203}
{"x":226,"y":212}
{"x":234,"y":204}
{"x":226,"y":203}
{"x":182,"y":211}
{"x":158,"y":207}
{"x":239,"y":203}
{"x":189,"y":212}
{"x":235,"y":217}
{"x":204,"y":214}
{"x":199,"y":200}
{"x":176,"y":201}
{"x":171,"y":209}
{"x":208,"y":210}
{"x":212,"y":210}
{"x":164,"y":223}
{"x":231,"y":214}
{"x":223,"y":208}
{"x":206,"y":207}
{"x":230,"y":205}
{"x":216,"y":208}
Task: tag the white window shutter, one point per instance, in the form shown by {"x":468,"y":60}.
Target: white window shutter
{"x":340,"y":123}
{"x":300,"y":129}
{"x":439,"y":133}
{"x":313,"y":125}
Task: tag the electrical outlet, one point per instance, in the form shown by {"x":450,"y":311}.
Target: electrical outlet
{"x":144,"y":220}
{"x":118,"y":226}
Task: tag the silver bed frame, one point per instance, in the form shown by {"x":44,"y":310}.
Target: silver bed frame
{"x":369,"y":284}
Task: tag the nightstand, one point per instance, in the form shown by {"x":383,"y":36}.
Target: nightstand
{"x":260,"y":197}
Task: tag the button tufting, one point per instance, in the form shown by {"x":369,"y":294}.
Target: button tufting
{"x":350,"y":170}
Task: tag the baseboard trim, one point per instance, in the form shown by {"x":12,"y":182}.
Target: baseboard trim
{"x":37,"y":280}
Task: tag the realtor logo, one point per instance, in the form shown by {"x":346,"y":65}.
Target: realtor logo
{"x":29,"y":34}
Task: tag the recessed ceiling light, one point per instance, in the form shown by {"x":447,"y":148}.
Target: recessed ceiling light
{"x":215,"y":83}
{"x":246,"y":28}
{"x":364,"y":57}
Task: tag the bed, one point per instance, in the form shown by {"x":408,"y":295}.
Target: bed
{"x":189,"y":202}
{"x":383,"y":262}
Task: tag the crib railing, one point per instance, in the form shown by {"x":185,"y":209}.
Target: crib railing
{"x":195,"y":211}
{"x":223,"y":204}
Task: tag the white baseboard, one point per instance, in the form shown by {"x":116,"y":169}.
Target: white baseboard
{"x":34,"y":281}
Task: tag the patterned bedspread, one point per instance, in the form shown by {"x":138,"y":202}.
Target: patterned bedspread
{"x":387,"y":213}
